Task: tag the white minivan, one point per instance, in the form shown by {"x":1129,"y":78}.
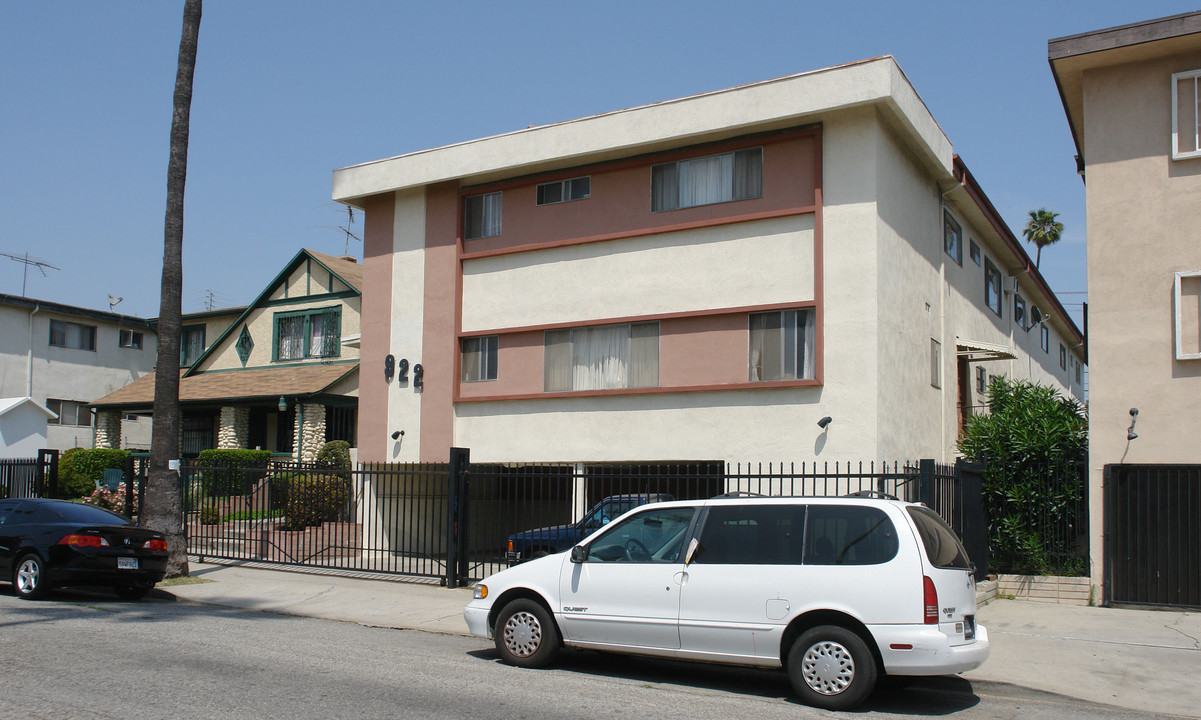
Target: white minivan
{"x":837,"y":591}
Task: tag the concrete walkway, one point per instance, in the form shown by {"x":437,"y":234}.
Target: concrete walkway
{"x":1146,"y":660}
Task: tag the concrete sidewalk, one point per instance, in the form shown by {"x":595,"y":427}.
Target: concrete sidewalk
{"x":1146,"y":660}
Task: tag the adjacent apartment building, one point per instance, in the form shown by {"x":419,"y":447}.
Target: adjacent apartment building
{"x":699,"y":279}
{"x":1132,"y":100}
{"x":63,"y":357}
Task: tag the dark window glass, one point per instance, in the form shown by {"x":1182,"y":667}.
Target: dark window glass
{"x":77,"y":513}
{"x":952,"y":238}
{"x":849,"y":535}
{"x":992,"y":287}
{"x":652,"y":536}
{"x":942,"y":545}
{"x":752,"y":535}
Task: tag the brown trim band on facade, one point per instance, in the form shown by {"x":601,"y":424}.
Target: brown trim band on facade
{"x":775,"y":384}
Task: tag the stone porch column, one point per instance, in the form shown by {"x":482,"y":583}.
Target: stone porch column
{"x":234,"y":430}
{"x":308,"y":432}
{"x":108,"y":429}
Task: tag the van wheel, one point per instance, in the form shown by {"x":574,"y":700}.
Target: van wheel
{"x":526,"y":635}
{"x":831,"y":667}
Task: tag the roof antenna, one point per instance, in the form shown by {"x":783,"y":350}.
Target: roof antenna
{"x":41,"y":266}
{"x":114,"y":301}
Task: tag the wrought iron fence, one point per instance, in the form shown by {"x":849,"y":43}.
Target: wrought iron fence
{"x":1037,"y":517}
{"x":29,"y":477}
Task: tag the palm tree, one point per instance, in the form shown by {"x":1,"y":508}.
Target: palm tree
{"x":1042,"y":230}
{"x":163,"y":510}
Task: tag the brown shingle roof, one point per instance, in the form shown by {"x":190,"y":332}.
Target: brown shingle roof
{"x":237,"y":384}
{"x":348,"y":270}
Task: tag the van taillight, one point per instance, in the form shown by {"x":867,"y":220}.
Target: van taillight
{"x":930,"y":600}
{"x":510,"y":546}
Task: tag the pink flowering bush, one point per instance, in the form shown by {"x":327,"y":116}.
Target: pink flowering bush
{"x":110,"y":500}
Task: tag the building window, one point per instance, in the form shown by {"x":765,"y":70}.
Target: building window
{"x":72,"y":335}
{"x":69,"y":413}
{"x":191,"y":345}
{"x":992,"y":287}
{"x":981,"y":380}
{"x":1063,"y":357}
{"x":130,"y":339}
{"x":604,"y":357}
{"x":1079,"y":372}
{"x":308,"y":334}
{"x":974,"y":252}
{"x":1019,"y":311}
{"x":935,"y":363}
{"x":952,"y":238}
{"x":1186,"y":120}
{"x":564,"y":191}
{"x":707,"y":180}
{"x":479,"y":358}
{"x":782,"y":345}
{"x":482,"y":216}
{"x":1186,"y":311}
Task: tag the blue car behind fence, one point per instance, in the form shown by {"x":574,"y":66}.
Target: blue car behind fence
{"x":532,"y":544}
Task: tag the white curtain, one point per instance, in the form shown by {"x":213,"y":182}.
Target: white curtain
{"x":322,"y":331}
{"x":556,"y":370}
{"x":782,"y":345}
{"x":707,"y":180}
{"x":809,"y":338}
{"x":599,"y":356}
{"x":644,"y":355}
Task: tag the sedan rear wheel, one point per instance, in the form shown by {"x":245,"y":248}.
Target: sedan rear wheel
{"x":29,"y":577}
{"x":526,"y":635}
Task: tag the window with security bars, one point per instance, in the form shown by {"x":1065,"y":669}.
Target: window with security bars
{"x":707,"y":180}
{"x":782,"y":345}
{"x":1186,"y":115}
{"x":191,"y":345}
{"x":308,"y":334}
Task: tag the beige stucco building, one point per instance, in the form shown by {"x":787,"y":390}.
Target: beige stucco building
{"x":698,"y":279}
{"x":1130,"y":94}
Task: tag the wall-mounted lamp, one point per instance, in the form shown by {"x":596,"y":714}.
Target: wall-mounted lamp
{"x":283,"y":404}
{"x":1130,"y":433}
{"x":824,"y":422}
{"x":398,"y":434}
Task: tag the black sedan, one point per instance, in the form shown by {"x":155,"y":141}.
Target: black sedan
{"x":48,"y":543}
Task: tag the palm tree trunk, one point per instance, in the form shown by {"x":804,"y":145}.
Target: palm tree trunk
{"x":163,"y":509}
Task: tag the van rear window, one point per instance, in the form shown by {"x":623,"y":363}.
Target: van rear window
{"x":942,"y":545}
{"x":849,"y":535}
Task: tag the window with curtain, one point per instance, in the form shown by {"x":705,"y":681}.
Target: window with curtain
{"x":72,"y":335}
{"x":952,"y":238}
{"x":191,"y":345}
{"x":308,"y":334}
{"x":604,"y":357}
{"x":782,"y":345}
{"x":707,"y":180}
{"x":478,"y":358}
{"x":482,"y":216}
{"x":992,"y":287}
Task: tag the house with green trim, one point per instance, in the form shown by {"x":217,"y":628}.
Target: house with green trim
{"x":282,"y":376}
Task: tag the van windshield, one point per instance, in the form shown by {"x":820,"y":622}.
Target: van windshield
{"x":942,"y":545}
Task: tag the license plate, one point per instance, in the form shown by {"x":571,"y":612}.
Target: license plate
{"x":969,"y":627}
{"x":127,"y":563}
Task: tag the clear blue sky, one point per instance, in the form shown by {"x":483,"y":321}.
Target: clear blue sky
{"x":288,"y":91}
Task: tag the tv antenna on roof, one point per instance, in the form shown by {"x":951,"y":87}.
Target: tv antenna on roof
{"x":41,"y":266}
{"x":114,"y":301}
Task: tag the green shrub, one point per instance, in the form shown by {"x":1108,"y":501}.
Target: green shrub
{"x":80,"y":468}
{"x":314,"y":499}
{"x":210,"y":516}
{"x":336,"y":454}
{"x":231,"y":472}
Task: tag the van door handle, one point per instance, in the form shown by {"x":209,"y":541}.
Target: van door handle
{"x":681,"y":578}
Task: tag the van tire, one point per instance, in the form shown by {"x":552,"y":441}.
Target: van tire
{"x":831,"y":667}
{"x":526,"y":635}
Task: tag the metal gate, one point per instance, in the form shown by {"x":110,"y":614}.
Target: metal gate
{"x":1153,"y":534}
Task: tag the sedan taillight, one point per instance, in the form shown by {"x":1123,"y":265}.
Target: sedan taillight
{"x":155,"y":544}
{"x":930,"y":600}
{"x":84,"y":541}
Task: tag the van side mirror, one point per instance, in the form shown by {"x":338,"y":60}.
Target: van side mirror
{"x":579,"y":554}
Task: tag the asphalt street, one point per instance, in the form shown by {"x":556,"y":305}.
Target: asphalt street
{"x":84,"y":654}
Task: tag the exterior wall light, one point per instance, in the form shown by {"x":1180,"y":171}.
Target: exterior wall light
{"x":283,"y":404}
{"x":824,"y":422}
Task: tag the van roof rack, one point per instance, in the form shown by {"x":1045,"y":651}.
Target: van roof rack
{"x":738,"y":494}
{"x":872,"y":494}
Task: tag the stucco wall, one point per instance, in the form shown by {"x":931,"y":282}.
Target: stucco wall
{"x":1142,"y":212}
